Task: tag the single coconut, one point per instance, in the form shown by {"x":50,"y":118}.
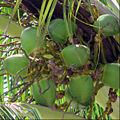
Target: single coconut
{"x":46,"y":94}
{"x":81,"y":88}
{"x":111,"y":75}
{"x":77,"y":55}
{"x":29,"y":39}
{"x":15,"y":63}
{"x":108,"y":23}
{"x":58,"y":32}
{"x":74,"y":102}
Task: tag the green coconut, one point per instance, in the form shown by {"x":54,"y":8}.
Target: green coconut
{"x":111,"y":75}
{"x":76,"y":55}
{"x":49,"y":96}
{"x":29,"y":39}
{"x":58,"y":32}
{"x":75,"y":103}
{"x":109,"y":24}
{"x":15,"y":63}
{"x":81,"y":88}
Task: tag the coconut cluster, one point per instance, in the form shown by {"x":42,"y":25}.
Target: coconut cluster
{"x":81,"y":87}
